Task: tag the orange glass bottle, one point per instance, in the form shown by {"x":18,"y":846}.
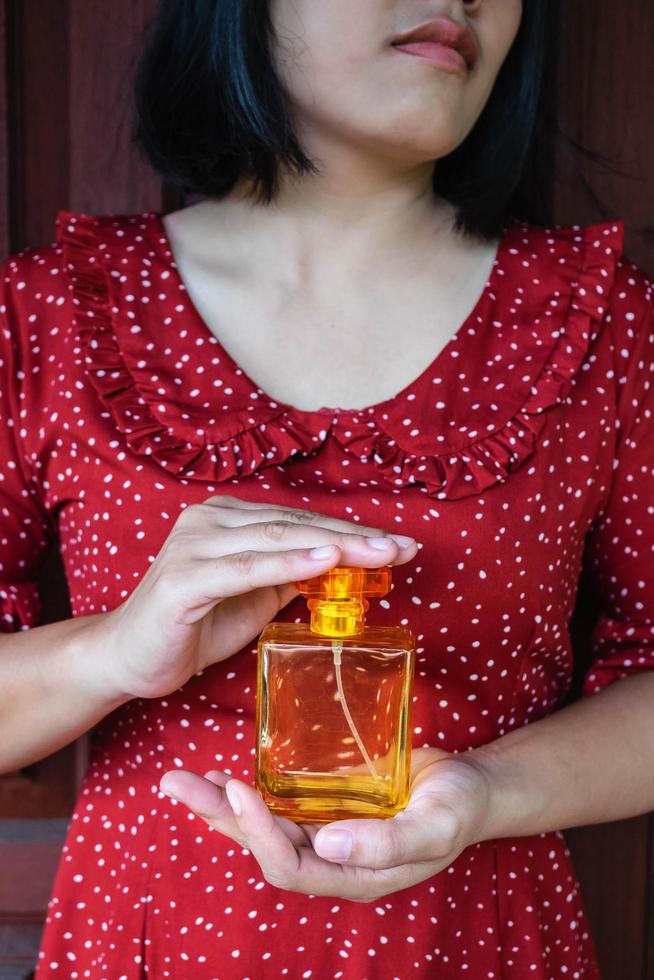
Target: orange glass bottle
{"x":333,"y":704}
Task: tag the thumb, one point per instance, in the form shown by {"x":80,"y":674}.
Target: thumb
{"x":421,"y":833}
{"x":286,"y":593}
{"x":201,"y":795}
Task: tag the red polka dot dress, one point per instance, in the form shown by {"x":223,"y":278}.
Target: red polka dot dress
{"x":520,"y":457}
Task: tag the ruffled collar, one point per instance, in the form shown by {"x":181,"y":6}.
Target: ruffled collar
{"x":469,"y":419}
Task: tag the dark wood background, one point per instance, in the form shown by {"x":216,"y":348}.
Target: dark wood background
{"x":64,"y":143}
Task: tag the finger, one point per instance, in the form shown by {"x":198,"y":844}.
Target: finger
{"x":237,"y":512}
{"x":251,"y":511}
{"x":198,"y":585}
{"x":215,"y":809}
{"x":295,"y":832}
{"x":295,"y":866}
{"x":284,"y":536}
{"x":267,"y":841}
{"x":275,"y":533}
{"x":206,"y":797}
{"x":236,"y":621}
{"x":297,"y":869}
{"x":426,"y":832}
{"x":273,"y":528}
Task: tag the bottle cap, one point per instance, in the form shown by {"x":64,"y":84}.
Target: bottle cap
{"x":337,"y":597}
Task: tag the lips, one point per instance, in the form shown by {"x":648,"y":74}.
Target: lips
{"x":445,"y":32}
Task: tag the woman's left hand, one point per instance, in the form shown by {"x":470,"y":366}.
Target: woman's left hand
{"x":449,"y":799}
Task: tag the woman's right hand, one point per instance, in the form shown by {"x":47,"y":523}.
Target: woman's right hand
{"x":223,"y":573}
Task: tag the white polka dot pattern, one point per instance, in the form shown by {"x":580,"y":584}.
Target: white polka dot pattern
{"x":521,"y":456}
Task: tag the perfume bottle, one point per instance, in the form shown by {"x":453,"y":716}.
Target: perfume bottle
{"x":333,"y":704}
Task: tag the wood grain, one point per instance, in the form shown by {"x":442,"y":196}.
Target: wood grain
{"x":605,"y":84}
{"x":65,"y":142}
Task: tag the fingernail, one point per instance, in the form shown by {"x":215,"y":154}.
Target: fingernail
{"x":234,"y":800}
{"x":402,"y":540}
{"x":326,"y":551}
{"x":336,"y":844}
{"x":382,"y":543}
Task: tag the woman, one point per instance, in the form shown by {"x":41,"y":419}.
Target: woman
{"x":440,"y":386}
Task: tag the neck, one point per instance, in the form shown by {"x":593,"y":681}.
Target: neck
{"x":356,"y":221}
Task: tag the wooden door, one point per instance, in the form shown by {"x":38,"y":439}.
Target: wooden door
{"x":64,"y":143}
{"x":605,"y":82}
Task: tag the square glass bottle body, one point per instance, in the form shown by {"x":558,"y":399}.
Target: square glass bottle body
{"x":333,"y":721}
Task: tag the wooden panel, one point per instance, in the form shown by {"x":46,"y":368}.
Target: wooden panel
{"x":65,"y":142}
{"x":606,"y":80}
{"x":4,"y":138}
{"x":69,"y":69}
{"x":611,"y":860}
{"x":29,"y":854}
{"x":38,"y":100}
{"x":648,"y":966}
{"x":24,"y":884}
{"x":70,"y":93}
{"x":106,"y":174}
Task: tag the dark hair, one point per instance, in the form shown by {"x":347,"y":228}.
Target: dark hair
{"x":209,"y":109}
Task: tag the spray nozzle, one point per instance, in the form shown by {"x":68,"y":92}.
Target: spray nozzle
{"x":337,"y":597}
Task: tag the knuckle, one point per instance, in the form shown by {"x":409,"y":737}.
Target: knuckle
{"x":221,"y":502}
{"x":219,"y":498}
{"x":203,"y":513}
{"x":274,"y":531}
{"x":199,"y":515}
{"x":186,"y":516}
{"x":301,"y":516}
{"x":276,"y":880}
{"x":389,"y":848}
{"x":179,"y":533}
{"x":195,"y":515}
{"x":242,"y":561}
{"x":177,"y":547}
{"x":172,"y":548}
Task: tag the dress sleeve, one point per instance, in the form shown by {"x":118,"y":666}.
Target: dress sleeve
{"x":24,"y":525}
{"x":620,"y":544}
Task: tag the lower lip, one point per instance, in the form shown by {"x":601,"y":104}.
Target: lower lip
{"x":438,"y":54}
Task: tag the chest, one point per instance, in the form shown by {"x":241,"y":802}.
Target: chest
{"x":345,"y":345}
{"x":507,"y":554}
{"x":492,"y":584}
{"x":115,"y":509}
{"x":491,"y":587}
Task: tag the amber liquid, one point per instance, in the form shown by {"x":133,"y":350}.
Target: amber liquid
{"x":309,"y":765}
